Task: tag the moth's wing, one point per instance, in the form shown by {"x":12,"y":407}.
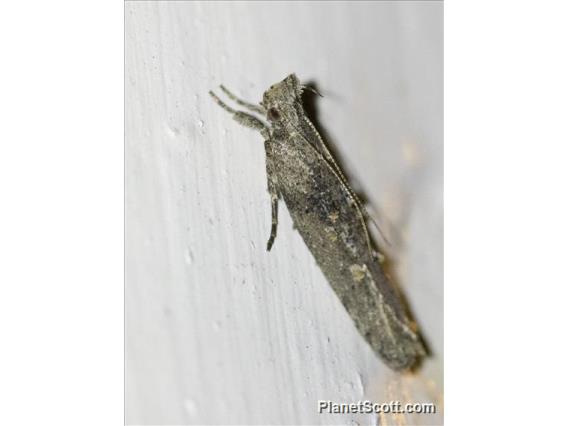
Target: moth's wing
{"x":334,"y":229}
{"x":319,"y":144}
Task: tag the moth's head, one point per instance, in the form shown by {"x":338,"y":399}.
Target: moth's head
{"x":280,"y":95}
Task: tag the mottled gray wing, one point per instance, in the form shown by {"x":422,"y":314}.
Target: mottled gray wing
{"x":333,"y":227}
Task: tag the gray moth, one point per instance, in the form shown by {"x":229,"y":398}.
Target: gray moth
{"x":330,"y":218}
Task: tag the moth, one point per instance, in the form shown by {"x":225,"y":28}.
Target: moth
{"x":329,"y":217}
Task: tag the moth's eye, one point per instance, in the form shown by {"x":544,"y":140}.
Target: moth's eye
{"x":273,"y":114}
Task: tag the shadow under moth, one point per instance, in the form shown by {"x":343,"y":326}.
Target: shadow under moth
{"x":330,"y":219}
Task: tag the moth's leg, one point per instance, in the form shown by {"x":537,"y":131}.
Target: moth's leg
{"x":244,"y":118}
{"x":274,"y":200}
{"x":250,"y":106}
{"x":273,"y":195}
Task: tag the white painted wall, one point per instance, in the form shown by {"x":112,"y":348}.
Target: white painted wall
{"x":217,"y":329}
